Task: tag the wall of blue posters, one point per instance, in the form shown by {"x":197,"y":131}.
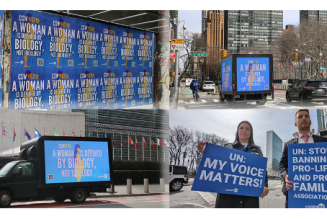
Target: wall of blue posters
{"x":60,"y":62}
{"x":307,"y":169}
{"x":76,"y":161}
{"x":1,"y":46}
{"x":229,"y":171}
{"x":252,"y":74}
{"x":226,"y":75}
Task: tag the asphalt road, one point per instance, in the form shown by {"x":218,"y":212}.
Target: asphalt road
{"x":210,"y":100}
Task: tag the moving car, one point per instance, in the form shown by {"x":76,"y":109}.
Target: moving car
{"x":208,"y":85}
{"x":177,"y":177}
{"x":307,"y":90}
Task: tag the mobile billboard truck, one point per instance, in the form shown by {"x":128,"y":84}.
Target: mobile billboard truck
{"x":58,"y":167}
{"x":247,"y":78}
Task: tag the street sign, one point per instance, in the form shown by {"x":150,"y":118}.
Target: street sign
{"x":172,"y":55}
{"x":176,"y":44}
{"x":177,"y":41}
{"x":199,"y":54}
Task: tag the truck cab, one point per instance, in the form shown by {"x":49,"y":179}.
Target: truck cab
{"x":177,"y":177}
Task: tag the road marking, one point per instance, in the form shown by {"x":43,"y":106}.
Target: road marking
{"x":203,"y":101}
{"x":192,"y":101}
{"x":216,"y":100}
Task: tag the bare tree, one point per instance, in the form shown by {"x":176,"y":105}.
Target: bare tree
{"x":179,"y":139}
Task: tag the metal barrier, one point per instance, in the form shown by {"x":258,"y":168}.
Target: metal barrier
{"x":146,"y":185}
{"x":280,"y":86}
{"x":162,"y":184}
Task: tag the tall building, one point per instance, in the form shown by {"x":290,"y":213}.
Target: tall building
{"x":252,"y":30}
{"x":313,"y":16}
{"x":321,"y":119}
{"x":214,"y":40}
{"x":136,"y":124}
{"x":274,"y":153}
{"x":203,"y":21}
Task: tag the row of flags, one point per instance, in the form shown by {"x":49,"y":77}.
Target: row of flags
{"x":37,"y":134}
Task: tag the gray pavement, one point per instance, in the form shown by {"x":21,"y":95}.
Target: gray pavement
{"x":137,"y":190}
{"x":186,"y":198}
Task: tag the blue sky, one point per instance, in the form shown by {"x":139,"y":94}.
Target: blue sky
{"x":192,"y":18}
{"x":224,"y":122}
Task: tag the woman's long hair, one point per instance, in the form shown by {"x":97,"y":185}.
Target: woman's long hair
{"x":75,"y":150}
{"x":251,"y":141}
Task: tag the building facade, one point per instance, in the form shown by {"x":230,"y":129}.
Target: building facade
{"x":274,"y":153}
{"x":252,"y":30}
{"x":214,"y":41}
{"x":120,"y":125}
{"x":313,"y":16}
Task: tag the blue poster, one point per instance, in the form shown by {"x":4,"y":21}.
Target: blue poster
{"x":61,"y":62}
{"x":76,"y":161}
{"x":229,"y":171}
{"x":307,"y":167}
{"x":252,"y":74}
{"x":226,"y":75}
{"x":1,"y":55}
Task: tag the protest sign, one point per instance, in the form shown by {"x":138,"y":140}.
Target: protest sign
{"x":307,"y":166}
{"x":229,"y":171}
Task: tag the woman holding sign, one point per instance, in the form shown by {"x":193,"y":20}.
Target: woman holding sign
{"x":243,"y":142}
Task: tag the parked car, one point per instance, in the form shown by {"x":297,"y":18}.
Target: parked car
{"x":208,"y":85}
{"x":307,"y":90}
{"x":177,"y":177}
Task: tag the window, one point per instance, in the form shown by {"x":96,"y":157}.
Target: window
{"x":27,"y":168}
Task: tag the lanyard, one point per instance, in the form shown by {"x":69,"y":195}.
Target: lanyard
{"x":244,"y":147}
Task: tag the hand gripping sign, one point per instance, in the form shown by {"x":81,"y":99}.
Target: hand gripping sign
{"x":307,"y":167}
{"x":228,"y":171}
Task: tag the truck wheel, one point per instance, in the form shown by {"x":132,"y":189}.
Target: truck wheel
{"x":260,"y":103}
{"x":176,"y":185}
{"x":60,"y":199}
{"x":5,"y":199}
{"x":78,"y":195}
{"x":288,"y":98}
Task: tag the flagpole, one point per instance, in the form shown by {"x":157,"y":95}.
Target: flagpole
{"x":164,"y":151}
{"x":157,"y":149}
{"x":44,"y":130}
{"x":135,"y":148}
{"x":13,"y":142}
{"x":113,"y":144}
{"x":150,"y":147}
{"x":121,"y":145}
{"x":128,"y":147}
{"x":143,"y":147}
{"x":2,"y":137}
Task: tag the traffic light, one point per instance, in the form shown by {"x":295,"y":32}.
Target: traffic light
{"x":225,"y":53}
{"x":293,"y":55}
{"x":323,"y":73}
{"x":296,"y":56}
{"x":222,"y":53}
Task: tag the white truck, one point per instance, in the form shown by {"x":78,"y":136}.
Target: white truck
{"x":177,"y":177}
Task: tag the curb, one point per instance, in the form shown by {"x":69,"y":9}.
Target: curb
{"x":99,"y":195}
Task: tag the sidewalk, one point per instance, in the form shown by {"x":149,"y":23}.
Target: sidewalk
{"x":137,"y":190}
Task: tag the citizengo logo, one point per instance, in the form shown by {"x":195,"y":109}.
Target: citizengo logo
{"x":321,"y":205}
{"x":232,"y":190}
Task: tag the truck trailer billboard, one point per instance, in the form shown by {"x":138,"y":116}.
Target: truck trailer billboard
{"x":76,"y":161}
{"x":226,"y":75}
{"x":59,"y":62}
{"x":252,"y":74}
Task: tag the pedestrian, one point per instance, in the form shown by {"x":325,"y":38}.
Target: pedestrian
{"x":302,"y":136}
{"x":243,"y":142}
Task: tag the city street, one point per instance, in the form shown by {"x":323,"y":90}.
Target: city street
{"x":149,"y":201}
{"x":210,"y":100}
{"x":185,"y":198}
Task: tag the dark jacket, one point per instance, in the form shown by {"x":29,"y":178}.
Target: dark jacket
{"x":239,"y":201}
{"x":283,"y":164}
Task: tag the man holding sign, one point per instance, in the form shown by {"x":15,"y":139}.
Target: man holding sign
{"x":304,"y":135}
{"x":238,"y":177}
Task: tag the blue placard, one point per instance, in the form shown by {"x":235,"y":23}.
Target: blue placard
{"x":60,"y":62}
{"x":252,"y":74}
{"x":226,"y":75}
{"x":76,"y":161}
{"x":228,"y":171}
{"x":307,"y":167}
